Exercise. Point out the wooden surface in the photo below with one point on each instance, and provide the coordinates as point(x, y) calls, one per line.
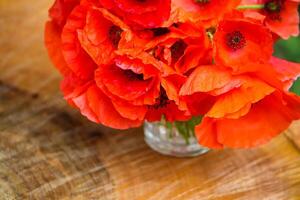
point(48, 151)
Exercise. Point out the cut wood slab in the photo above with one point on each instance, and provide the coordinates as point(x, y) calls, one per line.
point(49, 151)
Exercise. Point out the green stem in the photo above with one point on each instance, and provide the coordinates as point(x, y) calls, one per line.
point(251, 7)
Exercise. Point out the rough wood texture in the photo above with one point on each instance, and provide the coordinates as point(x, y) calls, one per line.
point(48, 151)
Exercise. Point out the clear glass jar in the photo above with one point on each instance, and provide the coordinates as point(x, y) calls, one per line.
point(169, 141)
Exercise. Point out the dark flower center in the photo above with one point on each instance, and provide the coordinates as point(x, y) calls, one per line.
point(162, 101)
point(160, 31)
point(114, 34)
point(273, 6)
point(202, 1)
point(212, 30)
point(178, 49)
point(133, 76)
point(273, 9)
point(235, 40)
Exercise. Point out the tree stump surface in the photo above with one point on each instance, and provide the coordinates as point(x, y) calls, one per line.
point(49, 151)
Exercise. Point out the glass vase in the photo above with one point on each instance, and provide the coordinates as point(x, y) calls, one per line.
point(167, 139)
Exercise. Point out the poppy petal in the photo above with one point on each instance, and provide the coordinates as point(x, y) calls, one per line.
point(129, 111)
point(209, 10)
point(205, 79)
point(256, 128)
point(105, 111)
point(172, 85)
point(250, 92)
point(287, 71)
point(123, 83)
point(74, 55)
point(53, 45)
point(206, 134)
point(61, 9)
point(82, 104)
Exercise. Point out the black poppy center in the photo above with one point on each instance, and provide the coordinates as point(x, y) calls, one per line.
point(162, 101)
point(160, 31)
point(133, 76)
point(235, 40)
point(114, 34)
point(178, 49)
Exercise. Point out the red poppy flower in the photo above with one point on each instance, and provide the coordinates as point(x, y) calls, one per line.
point(182, 46)
point(121, 95)
point(281, 16)
point(238, 101)
point(101, 35)
point(146, 13)
point(207, 11)
point(130, 80)
point(239, 43)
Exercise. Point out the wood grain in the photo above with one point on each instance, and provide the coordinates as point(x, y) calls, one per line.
point(48, 151)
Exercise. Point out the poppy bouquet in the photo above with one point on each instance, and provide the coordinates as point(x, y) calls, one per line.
point(127, 61)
